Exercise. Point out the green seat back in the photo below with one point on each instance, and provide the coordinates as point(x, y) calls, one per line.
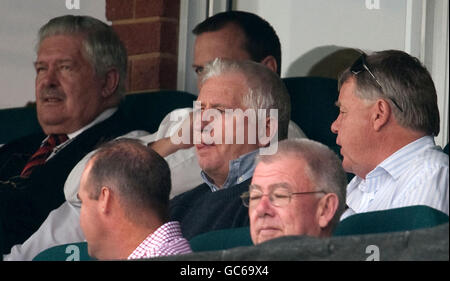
point(221, 239)
point(147, 110)
point(17, 122)
point(65, 252)
point(392, 220)
point(313, 107)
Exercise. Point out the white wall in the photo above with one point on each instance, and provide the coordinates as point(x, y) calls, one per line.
point(20, 21)
point(191, 13)
point(310, 30)
point(435, 55)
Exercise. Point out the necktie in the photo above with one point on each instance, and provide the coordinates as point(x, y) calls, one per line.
point(40, 156)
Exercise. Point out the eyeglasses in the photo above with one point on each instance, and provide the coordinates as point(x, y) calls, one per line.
point(278, 197)
point(360, 65)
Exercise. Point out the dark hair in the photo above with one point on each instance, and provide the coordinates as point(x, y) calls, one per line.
point(137, 173)
point(404, 79)
point(261, 38)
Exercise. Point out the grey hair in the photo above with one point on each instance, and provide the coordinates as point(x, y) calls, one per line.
point(265, 88)
point(323, 168)
point(101, 45)
point(404, 79)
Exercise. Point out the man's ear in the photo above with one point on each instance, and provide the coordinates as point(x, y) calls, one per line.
point(271, 63)
point(326, 209)
point(380, 114)
point(270, 131)
point(111, 82)
point(105, 200)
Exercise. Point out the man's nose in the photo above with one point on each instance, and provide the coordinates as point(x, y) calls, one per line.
point(334, 126)
point(264, 207)
point(211, 117)
point(50, 78)
point(204, 121)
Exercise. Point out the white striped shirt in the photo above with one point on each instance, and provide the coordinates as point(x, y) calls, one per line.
point(416, 174)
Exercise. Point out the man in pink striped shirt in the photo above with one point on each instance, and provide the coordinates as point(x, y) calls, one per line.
point(124, 192)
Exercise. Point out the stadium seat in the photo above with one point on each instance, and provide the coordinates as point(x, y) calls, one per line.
point(65, 252)
point(313, 107)
point(221, 239)
point(18, 122)
point(144, 110)
point(147, 110)
point(392, 220)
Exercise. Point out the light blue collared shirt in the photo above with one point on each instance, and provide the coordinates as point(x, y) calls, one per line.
point(240, 170)
point(416, 174)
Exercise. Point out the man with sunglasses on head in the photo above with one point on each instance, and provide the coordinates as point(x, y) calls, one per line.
point(300, 190)
point(388, 118)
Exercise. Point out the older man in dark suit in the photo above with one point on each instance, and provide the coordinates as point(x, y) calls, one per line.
point(80, 80)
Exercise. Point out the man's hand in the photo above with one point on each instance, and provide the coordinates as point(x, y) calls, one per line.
point(167, 146)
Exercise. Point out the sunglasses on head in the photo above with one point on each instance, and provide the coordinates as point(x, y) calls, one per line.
point(360, 65)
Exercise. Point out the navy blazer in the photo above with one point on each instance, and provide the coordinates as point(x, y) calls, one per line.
point(26, 203)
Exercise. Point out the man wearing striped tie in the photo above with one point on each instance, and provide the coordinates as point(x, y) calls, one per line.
point(80, 80)
point(388, 118)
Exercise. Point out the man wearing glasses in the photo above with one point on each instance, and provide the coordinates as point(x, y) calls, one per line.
point(300, 190)
point(388, 118)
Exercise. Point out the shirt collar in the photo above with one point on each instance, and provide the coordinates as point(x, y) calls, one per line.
point(103, 116)
point(240, 170)
point(395, 164)
point(154, 241)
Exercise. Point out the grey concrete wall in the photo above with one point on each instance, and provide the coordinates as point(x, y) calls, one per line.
point(420, 245)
